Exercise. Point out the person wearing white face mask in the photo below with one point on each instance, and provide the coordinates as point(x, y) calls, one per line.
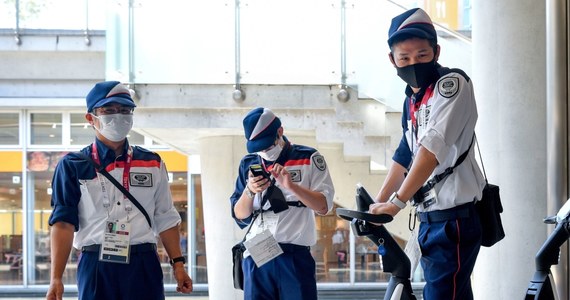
point(299, 181)
point(138, 207)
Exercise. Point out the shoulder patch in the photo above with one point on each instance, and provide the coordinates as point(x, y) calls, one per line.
point(320, 163)
point(448, 87)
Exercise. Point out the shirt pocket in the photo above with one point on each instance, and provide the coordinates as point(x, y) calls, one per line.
point(91, 202)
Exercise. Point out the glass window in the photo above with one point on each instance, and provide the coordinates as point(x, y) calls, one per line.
point(200, 268)
point(7, 14)
point(41, 166)
point(81, 131)
point(61, 14)
point(331, 252)
point(46, 129)
point(11, 229)
point(9, 129)
point(179, 190)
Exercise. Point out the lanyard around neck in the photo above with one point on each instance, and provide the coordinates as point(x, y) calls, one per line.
point(126, 172)
point(415, 106)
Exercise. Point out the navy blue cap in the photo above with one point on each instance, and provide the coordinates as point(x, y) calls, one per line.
point(412, 23)
point(108, 92)
point(260, 126)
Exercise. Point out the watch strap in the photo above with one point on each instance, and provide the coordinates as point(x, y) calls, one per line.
point(394, 200)
point(178, 259)
point(249, 193)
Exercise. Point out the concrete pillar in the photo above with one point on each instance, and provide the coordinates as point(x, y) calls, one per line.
point(509, 75)
point(219, 159)
point(557, 123)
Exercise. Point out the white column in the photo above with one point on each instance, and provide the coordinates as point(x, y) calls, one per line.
point(219, 159)
point(509, 75)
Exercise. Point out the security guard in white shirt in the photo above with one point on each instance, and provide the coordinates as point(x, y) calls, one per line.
point(116, 236)
point(283, 205)
point(438, 122)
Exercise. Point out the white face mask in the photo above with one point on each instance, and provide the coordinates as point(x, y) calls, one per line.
point(271, 154)
point(114, 127)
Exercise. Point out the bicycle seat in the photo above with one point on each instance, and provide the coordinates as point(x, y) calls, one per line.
point(349, 215)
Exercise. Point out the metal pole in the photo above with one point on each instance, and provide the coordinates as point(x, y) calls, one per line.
point(131, 33)
point(557, 123)
point(237, 45)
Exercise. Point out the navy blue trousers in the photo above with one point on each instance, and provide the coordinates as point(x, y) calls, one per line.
point(449, 251)
point(290, 276)
point(141, 279)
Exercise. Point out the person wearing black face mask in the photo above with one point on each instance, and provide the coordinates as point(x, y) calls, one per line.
point(438, 122)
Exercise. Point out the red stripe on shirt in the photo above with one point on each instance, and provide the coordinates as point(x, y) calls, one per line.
point(297, 162)
point(134, 163)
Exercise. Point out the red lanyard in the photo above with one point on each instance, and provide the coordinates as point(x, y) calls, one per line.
point(414, 107)
point(126, 169)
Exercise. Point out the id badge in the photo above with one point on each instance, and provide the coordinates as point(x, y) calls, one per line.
point(263, 248)
point(413, 251)
point(116, 243)
point(430, 198)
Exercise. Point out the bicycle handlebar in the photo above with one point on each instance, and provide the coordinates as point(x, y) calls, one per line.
point(349, 215)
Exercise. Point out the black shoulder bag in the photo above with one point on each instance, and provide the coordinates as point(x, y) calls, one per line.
point(104, 172)
point(237, 258)
point(489, 208)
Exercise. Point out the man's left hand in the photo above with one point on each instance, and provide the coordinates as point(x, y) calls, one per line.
point(182, 279)
point(383, 208)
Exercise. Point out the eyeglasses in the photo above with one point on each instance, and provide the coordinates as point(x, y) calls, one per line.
point(111, 110)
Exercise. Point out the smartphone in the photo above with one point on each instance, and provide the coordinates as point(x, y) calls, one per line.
point(257, 170)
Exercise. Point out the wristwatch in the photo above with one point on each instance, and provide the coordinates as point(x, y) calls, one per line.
point(394, 200)
point(249, 193)
point(178, 259)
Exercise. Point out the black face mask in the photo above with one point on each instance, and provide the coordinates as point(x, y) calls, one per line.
point(418, 75)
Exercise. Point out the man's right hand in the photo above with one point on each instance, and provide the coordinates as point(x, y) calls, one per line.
point(55, 291)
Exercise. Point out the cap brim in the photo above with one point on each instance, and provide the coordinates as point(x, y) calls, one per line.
point(260, 143)
point(410, 32)
point(118, 100)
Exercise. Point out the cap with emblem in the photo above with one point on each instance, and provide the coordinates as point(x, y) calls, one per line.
point(260, 126)
point(412, 23)
point(108, 92)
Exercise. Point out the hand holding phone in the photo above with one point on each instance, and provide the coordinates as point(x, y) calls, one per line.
point(257, 170)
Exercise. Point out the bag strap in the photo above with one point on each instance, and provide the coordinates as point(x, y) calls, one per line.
point(439, 177)
point(481, 159)
point(250, 225)
point(121, 188)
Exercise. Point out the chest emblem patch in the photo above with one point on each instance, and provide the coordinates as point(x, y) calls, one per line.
point(448, 87)
point(320, 163)
point(295, 175)
point(141, 179)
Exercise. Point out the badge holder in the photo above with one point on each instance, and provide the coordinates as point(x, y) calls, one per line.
point(116, 243)
point(263, 248)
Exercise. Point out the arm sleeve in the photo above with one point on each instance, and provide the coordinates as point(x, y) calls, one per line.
point(241, 181)
point(66, 194)
point(165, 214)
point(403, 154)
point(321, 179)
point(450, 117)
